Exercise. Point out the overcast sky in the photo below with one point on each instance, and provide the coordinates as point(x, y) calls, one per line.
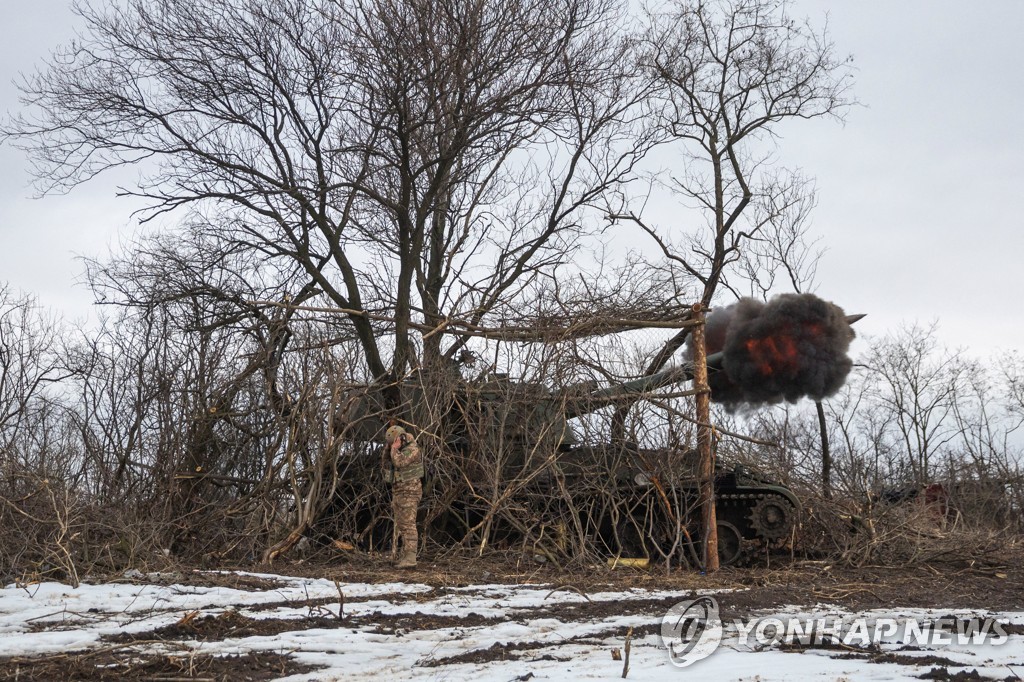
point(918, 193)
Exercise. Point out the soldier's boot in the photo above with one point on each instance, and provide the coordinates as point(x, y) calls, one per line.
point(407, 559)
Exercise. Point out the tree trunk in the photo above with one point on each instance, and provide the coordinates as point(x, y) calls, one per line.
point(826, 454)
point(704, 450)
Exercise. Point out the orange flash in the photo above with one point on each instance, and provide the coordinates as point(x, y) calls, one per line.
point(774, 354)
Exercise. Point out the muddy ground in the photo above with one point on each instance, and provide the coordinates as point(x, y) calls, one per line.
point(993, 583)
point(996, 585)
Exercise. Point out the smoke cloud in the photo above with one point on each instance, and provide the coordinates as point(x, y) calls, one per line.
point(792, 347)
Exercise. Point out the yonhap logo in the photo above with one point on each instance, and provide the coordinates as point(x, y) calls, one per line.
point(691, 630)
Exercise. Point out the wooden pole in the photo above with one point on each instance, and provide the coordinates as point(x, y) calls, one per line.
point(705, 453)
point(826, 454)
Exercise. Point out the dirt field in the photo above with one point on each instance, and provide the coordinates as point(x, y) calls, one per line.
point(244, 626)
point(992, 584)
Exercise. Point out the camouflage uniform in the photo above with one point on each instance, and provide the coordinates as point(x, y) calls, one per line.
point(406, 490)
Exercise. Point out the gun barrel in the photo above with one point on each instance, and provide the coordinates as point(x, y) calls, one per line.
point(638, 387)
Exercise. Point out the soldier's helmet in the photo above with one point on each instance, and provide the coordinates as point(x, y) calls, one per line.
point(392, 433)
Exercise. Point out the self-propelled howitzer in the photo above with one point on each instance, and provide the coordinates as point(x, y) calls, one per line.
point(501, 432)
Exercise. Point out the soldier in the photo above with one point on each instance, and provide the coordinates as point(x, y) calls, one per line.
point(406, 490)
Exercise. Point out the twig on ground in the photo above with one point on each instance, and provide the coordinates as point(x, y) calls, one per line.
point(569, 587)
point(625, 663)
point(341, 600)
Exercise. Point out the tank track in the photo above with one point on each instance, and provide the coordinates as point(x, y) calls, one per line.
point(738, 509)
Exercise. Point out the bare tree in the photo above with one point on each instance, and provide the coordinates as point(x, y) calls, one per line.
point(730, 73)
point(918, 383)
point(30, 362)
point(411, 160)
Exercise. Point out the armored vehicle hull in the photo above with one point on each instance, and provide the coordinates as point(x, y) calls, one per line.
point(660, 487)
